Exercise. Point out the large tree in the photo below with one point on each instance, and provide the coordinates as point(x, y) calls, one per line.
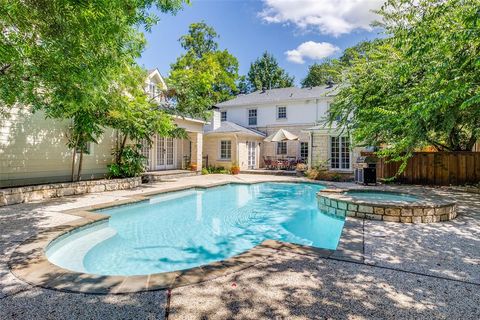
point(421, 84)
point(265, 73)
point(204, 75)
point(68, 58)
point(321, 73)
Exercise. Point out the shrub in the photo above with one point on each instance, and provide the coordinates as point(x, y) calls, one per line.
point(131, 163)
point(213, 169)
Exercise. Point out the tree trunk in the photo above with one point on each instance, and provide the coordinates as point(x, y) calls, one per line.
point(120, 152)
point(73, 164)
point(80, 163)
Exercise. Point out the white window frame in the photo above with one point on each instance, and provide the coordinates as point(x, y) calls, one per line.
point(278, 113)
point(341, 153)
point(220, 150)
point(249, 117)
point(300, 153)
point(278, 148)
point(88, 151)
point(222, 113)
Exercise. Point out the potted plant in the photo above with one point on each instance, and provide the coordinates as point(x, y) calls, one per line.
point(193, 167)
point(301, 168)
point(235, 169)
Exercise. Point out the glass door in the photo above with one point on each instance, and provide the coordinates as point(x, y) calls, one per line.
point(252, 154)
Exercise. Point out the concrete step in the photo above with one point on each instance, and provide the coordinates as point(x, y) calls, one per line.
point(150, 177)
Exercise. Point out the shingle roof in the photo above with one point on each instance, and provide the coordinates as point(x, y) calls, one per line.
point(280, 95)
point(230, 127)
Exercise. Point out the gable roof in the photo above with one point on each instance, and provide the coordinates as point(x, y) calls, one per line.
point(280, 95)
point(231, 127)
point(154, 73)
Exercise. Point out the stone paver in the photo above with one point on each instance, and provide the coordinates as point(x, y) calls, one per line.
point(381, 270)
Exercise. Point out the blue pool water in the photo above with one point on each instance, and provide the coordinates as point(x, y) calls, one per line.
point(190, 228)
point(379, 196)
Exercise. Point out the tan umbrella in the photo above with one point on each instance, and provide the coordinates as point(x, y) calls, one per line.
point(281, 135)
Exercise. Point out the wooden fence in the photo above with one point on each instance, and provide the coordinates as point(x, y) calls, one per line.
point(435, 168)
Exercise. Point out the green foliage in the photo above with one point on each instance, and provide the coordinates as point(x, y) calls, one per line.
point(213, 169)
point(204, 75)
point(131, 163)
point(200, 39)
point(266, 73)
point(420, 85)
point(320, 74)
point(76, 60)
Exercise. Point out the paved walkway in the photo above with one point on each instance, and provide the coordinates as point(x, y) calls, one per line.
point(380, 270)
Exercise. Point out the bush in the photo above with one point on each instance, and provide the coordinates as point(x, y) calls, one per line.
point(213, 169)
point(131, 163)
point(322, 172)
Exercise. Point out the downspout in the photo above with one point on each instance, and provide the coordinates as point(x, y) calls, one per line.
point(316, 111)
point(310, 149)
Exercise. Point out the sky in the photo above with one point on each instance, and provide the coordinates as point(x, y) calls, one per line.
point(297, 32)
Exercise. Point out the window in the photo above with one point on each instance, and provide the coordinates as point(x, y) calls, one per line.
point(252, 117)
point(223, 116)
point(87, 150)
point(304, 150)
point(225, 150)
point(281, 112)
point(152, 89)
point(282, 147)
point(340, 153)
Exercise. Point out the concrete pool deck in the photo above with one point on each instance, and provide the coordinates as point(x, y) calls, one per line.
point(380, 270)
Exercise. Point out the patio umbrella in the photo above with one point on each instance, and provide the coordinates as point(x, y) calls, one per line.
point(281, 135)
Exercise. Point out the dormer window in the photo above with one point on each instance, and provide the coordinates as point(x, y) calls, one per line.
point(152, 89)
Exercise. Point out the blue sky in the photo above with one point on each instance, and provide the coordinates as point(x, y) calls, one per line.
point(298, 33)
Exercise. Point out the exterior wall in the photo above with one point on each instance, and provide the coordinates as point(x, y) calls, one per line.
point(33, 150)
point(293, 147)
point(239, 150)
point(298, 113)
point(320, 151)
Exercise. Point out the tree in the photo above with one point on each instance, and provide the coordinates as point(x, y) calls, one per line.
point(66, 58)
point(321, 73)
point(200, 39)
point(420, 85)
point(204, 75)
point(265, 73)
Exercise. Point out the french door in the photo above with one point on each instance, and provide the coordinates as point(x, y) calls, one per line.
point(252, 154)
point(165, 155)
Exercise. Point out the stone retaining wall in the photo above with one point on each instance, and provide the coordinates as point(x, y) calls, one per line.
point(47, 191)
point(338, 204)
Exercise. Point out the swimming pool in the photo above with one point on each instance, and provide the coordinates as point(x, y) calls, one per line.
point(190, 228)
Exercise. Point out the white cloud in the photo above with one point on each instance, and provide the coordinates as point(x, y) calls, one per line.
point(330, 17)
point(311, 50)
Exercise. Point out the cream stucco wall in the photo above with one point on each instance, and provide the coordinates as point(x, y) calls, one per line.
point(33, 150)
point(211, 148)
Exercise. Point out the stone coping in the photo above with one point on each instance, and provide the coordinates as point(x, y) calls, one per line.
point(428, 208)
point(15, 195)
point(30, 263)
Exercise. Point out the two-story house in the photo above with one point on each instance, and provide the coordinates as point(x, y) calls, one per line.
point(239, 126)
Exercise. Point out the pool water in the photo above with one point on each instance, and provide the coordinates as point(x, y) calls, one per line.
point(379, 196)
point(190, 228)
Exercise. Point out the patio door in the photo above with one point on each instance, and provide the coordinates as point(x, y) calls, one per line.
point(165, 153)
point(252, 154)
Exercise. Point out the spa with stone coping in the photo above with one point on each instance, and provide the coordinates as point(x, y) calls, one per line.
point(410, 208)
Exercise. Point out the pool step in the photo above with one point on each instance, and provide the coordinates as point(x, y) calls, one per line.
point(168, 175)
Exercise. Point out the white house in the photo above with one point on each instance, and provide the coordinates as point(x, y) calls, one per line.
point(297, 110)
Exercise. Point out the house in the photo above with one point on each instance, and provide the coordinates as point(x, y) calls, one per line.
point(238, 126)
point(33, 148)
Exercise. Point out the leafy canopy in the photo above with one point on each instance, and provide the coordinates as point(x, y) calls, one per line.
point(204, 75)
point(321, 73)
point(420, 85)
point(265, 73)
